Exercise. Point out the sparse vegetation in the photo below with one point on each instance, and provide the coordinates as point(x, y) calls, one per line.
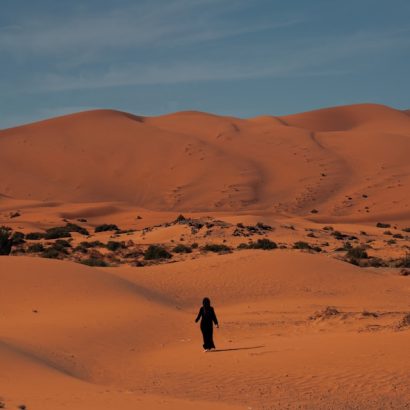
point(50, 253)
point(17, 238)
point(215, 247)
point(114, 245)
point(264, 243)
point(106, 227)
point(35, 248)
point(93, 261)
point(358, 252)
point(5, 240)
point(156, 252)
point(35, 236)
point(302, 245)
point(382, 225)
point(181, 248)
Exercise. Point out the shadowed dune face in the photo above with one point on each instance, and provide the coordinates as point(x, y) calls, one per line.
point(192, 161)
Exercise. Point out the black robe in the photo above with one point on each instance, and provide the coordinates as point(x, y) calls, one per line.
point(208, 318)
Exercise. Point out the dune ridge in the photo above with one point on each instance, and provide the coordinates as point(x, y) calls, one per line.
point(193, 161)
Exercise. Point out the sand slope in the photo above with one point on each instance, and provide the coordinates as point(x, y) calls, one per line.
point(192, 161)
point(73, 335)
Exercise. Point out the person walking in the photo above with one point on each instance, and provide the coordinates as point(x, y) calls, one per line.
point(208, 318)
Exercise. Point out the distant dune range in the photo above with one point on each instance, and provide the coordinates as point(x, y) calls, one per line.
point(192, 161)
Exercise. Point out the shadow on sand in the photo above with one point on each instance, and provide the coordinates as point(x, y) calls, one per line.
point(235, 348)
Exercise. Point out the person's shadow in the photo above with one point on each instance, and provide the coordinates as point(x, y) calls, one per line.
point(236, 348)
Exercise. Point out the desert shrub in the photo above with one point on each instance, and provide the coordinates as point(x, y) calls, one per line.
point(62, 243)
point(35, 236)
point(106, 227)
point(338, 235)
point(406, 229)
point(92, 244)
point(17, 238)
point(156, 252)
point(398, 236)
point(387, 233)
point(114, 245)
point(263, 244)
point(358, 252)
point(243, 245)
point(5, 240)
point(328, 228)
point(301, 245)
point(391, 242)
point(263, 226)
point(50, 253)
point(404, 262)
point(94, 262)
point(216, 247)
point(35, 248)
point(181, 248)
point(194, 245)
point(376, 263)
point(382, 225)
point(77, 228)
point(57, 232)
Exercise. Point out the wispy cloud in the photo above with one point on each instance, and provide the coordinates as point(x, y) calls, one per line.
point(307, 58)
point(150, 24)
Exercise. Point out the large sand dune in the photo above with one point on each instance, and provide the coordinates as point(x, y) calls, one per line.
point(299, 329)
point(192, 161)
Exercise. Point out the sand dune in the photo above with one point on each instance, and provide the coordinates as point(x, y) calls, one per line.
point(192, 161)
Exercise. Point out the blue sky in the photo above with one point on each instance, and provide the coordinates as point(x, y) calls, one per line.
point(234, 57)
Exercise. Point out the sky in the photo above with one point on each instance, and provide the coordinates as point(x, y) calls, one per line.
point(233, 57)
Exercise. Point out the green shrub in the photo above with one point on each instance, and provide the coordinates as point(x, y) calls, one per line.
point(156, 252)
point(92, 244)
point(181, 248)
point(264, 243)
point(358, 252)
point(301, 245)
point(5, 240)
point(382, 225)
point(57, 232)
point(194, 245)
point(263, 226)
point(114, 245)
point(18, 238)
point(404, 262)
point(94, 262)
point(50, 253)
point(106, 227)
point(35, 248)
point(35, 236)
point(215, 247)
